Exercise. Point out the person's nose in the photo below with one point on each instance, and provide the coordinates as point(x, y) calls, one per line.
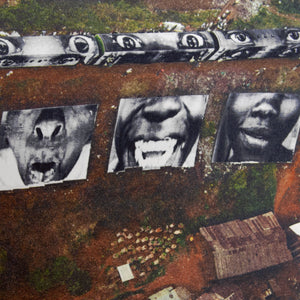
point(50, 125)
point(160, 109)
point(265, 109)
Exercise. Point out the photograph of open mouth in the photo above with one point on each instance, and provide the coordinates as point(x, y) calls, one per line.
point(157, 132)
point(45, 145)
point(258, 127)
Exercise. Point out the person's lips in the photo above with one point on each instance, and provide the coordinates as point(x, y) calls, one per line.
point(39, 171)
point(155, 153)
point(258, 137)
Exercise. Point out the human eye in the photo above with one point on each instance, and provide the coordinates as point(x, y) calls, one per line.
point(128, 42)
point(79, 44)
point(6, 47)
point(293, 36)
point(240, 37)
point(192, 41)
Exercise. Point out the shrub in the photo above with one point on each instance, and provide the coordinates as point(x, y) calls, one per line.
point(41, 280)
point(208, 129)
point(79, 282)
point(61, 271)
point(32, 15)
point(92, 16)
point(265, 19)
point(157, 272)
point(250, 191)
point(287, 6)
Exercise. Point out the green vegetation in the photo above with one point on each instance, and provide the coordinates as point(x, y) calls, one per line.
point(287, 6)
point(248, 192)
point(94, 16)
point(81, 239)
point(127, 294)
point(208, 129)
point(181, 241)
point(61, 271)
point(90, 16)
point(159, 271)
point(265, 19)
point(192, 225)
point(33, 15)
point(123, 16)
point(79, 282)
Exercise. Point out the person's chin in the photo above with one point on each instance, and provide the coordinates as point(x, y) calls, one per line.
point(154, 154)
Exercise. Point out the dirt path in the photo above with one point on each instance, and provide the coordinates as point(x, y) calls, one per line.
point(287, 200)
point(180, 5)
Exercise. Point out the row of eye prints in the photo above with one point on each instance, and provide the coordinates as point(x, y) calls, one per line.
point(148, 47)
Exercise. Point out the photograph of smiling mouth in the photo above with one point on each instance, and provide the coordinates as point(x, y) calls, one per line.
point(153, 154)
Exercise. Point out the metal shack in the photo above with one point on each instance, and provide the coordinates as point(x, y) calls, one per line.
point(243, 246)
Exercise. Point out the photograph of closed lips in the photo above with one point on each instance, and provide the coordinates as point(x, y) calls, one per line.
point(258, 127)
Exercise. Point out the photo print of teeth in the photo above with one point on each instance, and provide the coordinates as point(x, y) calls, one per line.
point(156, 132)
point(45, 145)
point(258, 128)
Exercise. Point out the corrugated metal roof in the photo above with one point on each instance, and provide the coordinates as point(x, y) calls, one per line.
point(244, 246)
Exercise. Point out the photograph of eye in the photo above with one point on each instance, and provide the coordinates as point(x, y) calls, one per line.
point(6, 47)
point(128, 42)
point(192, 41)
point(240, 37)
point(293, 36)
point(79, 44)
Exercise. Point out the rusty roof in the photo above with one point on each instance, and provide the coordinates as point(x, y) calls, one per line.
point(241, 247)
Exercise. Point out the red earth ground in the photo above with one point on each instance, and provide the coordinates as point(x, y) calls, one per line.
point(287, 200)
point(37, 226)
point(42, 223)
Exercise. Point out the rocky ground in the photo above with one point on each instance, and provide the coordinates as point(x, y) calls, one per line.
point(239, 9)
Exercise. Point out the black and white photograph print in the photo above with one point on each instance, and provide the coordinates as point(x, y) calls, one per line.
point(152, 47)
point(258, 127)
point(42, 51)
point(45, 145)
point(157, 132)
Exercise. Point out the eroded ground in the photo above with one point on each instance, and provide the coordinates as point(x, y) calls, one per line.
point(80, 220)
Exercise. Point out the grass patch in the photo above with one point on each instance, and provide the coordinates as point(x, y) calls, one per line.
point(265, 19)
point(92, 16)
point(61, 271)
point(128, 294)
point(159, 271)
point(248, 192)
point(208, 129)
point(81, 239)
point(287, 6)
